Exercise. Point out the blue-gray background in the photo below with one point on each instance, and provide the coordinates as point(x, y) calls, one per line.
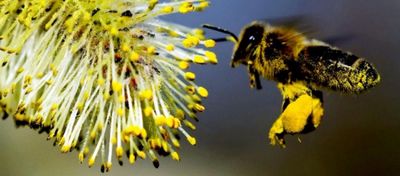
point(359, 134)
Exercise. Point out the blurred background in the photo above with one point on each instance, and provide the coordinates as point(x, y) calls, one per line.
point(359, 135)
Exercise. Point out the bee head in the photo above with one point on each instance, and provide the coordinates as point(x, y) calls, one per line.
point(250, 37)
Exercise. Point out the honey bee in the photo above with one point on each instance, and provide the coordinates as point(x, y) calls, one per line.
point(302, 67)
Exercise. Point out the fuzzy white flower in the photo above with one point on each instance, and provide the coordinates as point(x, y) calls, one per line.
point(102, 76)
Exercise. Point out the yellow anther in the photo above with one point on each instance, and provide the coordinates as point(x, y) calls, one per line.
point(119, 152)
point(186, 7)
point(65, 148)
point(204, 4)
point(198, 32)
point(108, 165)
point(86, 95)
point(143, 133)
point(80, 106)
point(148, 111)
point(132, 158)
point(81, 156)
point(180, 114)
point(170, 47)
point(121, 98)
point(20, 70)
point(151, 50)
point(120, 112)
point(167, 9)
point(212, 57)
point(169, 121)
point(54, 106)
point(39, 75)
point(19, 117)
point(199, 59)
point(114, 140)
point(91, 161)
point(190, 41)
point(176, 143)
point(199, 107)
point(134, 56)
point(173, 33)
point(190, 89)
point(146, 94)
point(100, 126)
point(141, 154)
point(189, 124)
point(209, 43)
point(86, 17)
point(191, 140)
point(125, 47)
point(152, 4)
point(93, 134)
point(183, 65)
point(106, 95)
point(116, 86)
point(100, 81)
point(203, 92)
point(160, 120)
point(175, 156)
point(190, 76)
point(177, 123)
point(114, 31)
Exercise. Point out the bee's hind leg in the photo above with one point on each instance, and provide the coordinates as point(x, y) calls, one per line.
point(301, 113)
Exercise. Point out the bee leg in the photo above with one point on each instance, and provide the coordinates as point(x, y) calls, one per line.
point(285, 103)
point(254, 78)
point(301, 115)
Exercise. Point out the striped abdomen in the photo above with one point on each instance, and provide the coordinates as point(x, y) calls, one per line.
point(327, 67)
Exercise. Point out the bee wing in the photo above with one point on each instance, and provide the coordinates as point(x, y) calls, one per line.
point(308, 26)
point(301, 23)
point(338, 39)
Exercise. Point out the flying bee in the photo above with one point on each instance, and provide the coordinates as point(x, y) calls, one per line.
point(302, 67)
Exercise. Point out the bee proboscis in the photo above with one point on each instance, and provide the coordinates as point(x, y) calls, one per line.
point(302, 67)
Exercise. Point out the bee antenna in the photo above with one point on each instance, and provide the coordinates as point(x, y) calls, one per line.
point(225, 31)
